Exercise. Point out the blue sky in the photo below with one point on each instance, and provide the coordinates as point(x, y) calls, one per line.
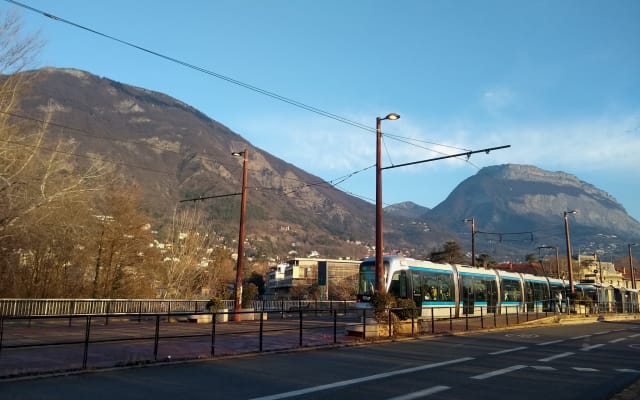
point(559, 81)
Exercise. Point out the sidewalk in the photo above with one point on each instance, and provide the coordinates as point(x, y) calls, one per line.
point(29, 350)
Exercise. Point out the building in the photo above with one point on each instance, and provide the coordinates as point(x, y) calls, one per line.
point(298, 274)
point(592, 269)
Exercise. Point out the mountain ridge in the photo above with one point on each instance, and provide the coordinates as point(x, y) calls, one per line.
point(175, 152)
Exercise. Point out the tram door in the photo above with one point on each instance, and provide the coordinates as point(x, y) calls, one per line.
point(492, 296)
point(468, 297)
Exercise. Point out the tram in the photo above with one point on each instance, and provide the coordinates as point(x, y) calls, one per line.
point(452, 290)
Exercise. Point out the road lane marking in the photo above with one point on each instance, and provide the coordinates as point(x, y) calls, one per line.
point(499, 372)
point(561, 355)
point(595, 346)
point(580, 337)
point(617, 340)
point(551, 342)
point(602, 333)
point(635, 335)
point(633, 371)
point(585, 369)
point(543, 368)
point(495, 353)
point(354, 381)
point(421, 393)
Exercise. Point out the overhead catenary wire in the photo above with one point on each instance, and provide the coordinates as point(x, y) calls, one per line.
point(228, 79)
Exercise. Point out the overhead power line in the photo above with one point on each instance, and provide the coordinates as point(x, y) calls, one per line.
point(253, 88)
point(231, 80)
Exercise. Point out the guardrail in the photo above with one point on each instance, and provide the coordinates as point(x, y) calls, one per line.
point(56, 307)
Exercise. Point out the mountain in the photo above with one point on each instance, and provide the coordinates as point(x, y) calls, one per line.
point(174, 152)
point(406, 209)
point(523, 206)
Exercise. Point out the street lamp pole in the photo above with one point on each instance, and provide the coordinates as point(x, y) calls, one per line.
point(379, 237)
point(566, 232)
point(237, 303)
point(473, 239)
point(633, 277)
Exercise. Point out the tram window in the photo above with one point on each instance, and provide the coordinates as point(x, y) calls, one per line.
point(510, 290)
point(477, 287)
point(432, 286)
point(398, 285)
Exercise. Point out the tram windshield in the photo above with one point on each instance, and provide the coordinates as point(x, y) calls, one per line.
point(367, 278)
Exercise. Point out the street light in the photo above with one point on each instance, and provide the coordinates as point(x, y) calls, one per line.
point(557, 258)
point(633, 277)
point(237, 303)
point(473, 239)
point(379, 239)
point(566, 232)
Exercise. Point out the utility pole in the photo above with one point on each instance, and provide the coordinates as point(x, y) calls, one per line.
point(379, 229)
point(473, 239)
point(237, 304)
point(566, 233)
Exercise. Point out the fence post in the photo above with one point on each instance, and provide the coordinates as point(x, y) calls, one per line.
point(87, 333)
point(1, 331)
point(335, 326)
point(506, 314)
point(495, 321)
point(450, 319)
point(156, 338)
point(282, 309)
point(389, 320)
point(481, 319)
point(261, 326)
point(412, 323)
point(300, 341)
point(466, 321)
point(213, 333)
point(433, 323)
point(364, 323)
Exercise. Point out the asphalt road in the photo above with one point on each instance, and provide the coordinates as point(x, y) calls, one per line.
point(586, 361)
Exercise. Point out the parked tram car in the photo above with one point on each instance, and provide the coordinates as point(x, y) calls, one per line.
point(596, 297)
point(451, 290)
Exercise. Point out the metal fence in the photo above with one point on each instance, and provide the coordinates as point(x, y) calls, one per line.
point(66, 307)
point(34, 344)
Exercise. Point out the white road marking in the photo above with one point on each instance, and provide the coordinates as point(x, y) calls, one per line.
point(561, 355)
point(595, 346)
point(580, 337)
point(602, 333)
point(633, 371)
point(499, 372)
point(421, 393)
point(354, 381)
point(551, 342)
point(495, 353)
point(543, 368)
point(585, 369)
point(635, 335)
point(617, 340)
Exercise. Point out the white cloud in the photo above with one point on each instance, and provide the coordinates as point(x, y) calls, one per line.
point(497, 99)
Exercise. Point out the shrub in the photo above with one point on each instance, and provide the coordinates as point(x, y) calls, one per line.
point(406, 309)
point(381, 303)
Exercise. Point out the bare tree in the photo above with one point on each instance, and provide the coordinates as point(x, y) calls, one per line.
point(193, 264)
point(45, 195)
point(121, 248)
